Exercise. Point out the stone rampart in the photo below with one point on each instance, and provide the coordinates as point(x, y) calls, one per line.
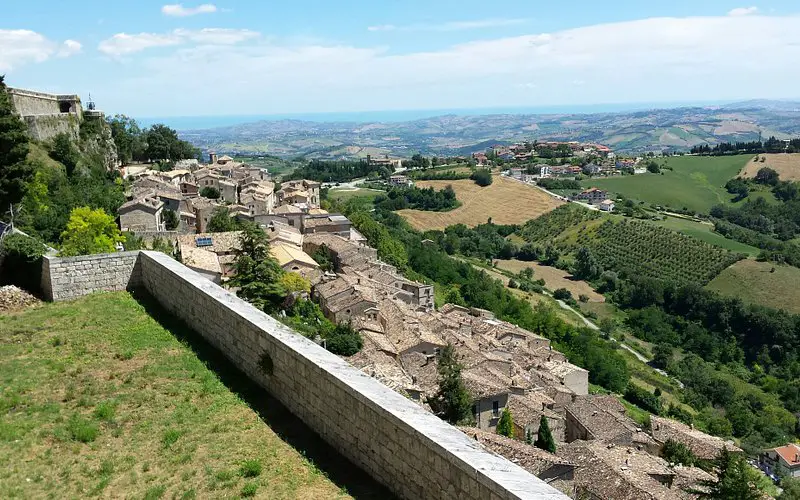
point(395, 440)
point(47, 115)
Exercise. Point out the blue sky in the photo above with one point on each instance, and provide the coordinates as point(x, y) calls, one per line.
point(150, 58)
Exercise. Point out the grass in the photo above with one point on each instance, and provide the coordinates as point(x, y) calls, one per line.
point(77, 419)
point(695, 182)
point(505, 201)
point(344, 195)
point(755, 283)
point(554, 278)
point(705, 232)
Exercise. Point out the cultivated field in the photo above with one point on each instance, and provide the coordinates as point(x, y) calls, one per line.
point(787, 165)
point(98, 399)
point(347, 194)
point(695, 182)
point(754, 283)
point(506, 201)
point(553, 277)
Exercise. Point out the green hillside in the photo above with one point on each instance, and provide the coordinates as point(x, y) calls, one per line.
point(688, 182)
point(761, 283)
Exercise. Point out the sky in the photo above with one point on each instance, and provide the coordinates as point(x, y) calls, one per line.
point(258, 57)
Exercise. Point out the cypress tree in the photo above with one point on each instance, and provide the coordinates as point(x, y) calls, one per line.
point(505, 427)
point(452, 401)
point(545, 439)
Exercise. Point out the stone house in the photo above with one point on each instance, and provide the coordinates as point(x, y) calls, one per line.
point(326, 223)
point(294, 215)
point(299, 191)
point(592, 196)
point(142, 214)
point(293, 259)
point(211, 254)
point(603, 418)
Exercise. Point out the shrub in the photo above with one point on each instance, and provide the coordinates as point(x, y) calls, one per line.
point(21, 258)
point(562, 294)
point(170, 437)
point(583, 298)
point(677, 453)
point(249, 490)
point(544, 438)
point(105, 411)
point(344, 341)
point(250, 468)
point(81, 429)
point(505, 427)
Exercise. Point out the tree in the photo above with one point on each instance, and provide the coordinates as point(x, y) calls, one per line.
point(171, 220)
point(653, 167)
point(163, 145)
point(551, 255)
point(766, 175)
point(736, 479)
point(586, 265)
point(89, 232)
point(544, 439)
point(791, 489)
point(293, 282)
point(662, 355)
point(210, 192)
point(562, 294)
point(65, 152)
point(258, 274)
point(344, 341)
point(15, 171)
point(453, 296)
point(482, 177)
point(221, 221)
point(451, 402)
point(505, 427)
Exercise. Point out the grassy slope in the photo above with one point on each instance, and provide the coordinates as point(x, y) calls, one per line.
point(696, 182)
point(166, 425)
point(346, 194)
point(753, 282)
point(705, 232)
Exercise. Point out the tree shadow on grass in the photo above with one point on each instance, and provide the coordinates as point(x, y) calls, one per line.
point(289, 428)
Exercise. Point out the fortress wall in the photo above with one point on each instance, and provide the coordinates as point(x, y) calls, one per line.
point(396, 441)
point(72, 277)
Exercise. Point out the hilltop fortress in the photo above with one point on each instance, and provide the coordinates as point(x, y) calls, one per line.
point(48, 115)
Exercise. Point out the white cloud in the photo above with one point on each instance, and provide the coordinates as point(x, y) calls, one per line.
point(178, 10)
point(743, 11)
point(69, 48)
point(450, 26)
point(18, 47)
point(123, 44)
point(648, 60)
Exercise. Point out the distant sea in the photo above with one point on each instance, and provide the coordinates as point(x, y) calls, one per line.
point(204, 122)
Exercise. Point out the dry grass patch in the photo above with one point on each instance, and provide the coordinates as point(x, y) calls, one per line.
point(97, 398)
point(506, 201)
point(554, 278)
point(756, 283)
point(786, 164)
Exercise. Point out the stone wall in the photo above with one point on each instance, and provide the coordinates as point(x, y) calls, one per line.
point(45, 127)
point(395, 440)
point(43, 115)
point(71, 277)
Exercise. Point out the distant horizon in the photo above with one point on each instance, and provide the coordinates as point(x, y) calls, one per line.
point(204, 122)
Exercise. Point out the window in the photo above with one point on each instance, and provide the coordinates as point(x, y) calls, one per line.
point(64, 106)
point(495, 408)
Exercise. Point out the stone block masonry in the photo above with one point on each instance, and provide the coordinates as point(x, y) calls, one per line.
point(68, 278)
point(396, 441)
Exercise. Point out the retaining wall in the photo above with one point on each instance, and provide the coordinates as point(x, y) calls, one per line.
point(71, 277)
point(396, 441)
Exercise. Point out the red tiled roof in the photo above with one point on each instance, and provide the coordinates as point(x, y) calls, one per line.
point(789, 454)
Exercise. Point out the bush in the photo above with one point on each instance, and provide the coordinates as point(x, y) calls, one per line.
point(249, 490)
point(344, 341)
point(21, 261)
point(562, 294)
point(482, 177)
point(250, 468)
point(81, 429)
point(677, 453)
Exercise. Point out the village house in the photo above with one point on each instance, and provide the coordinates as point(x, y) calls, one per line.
point(210, 254)
point(141, 214)
point(203, 209)
point(399, 180)
point(299, 191)
point(593, 196)
point(607, 206)
point(783, 461)
point(603, 418)
point(294, 260)
point(326, 223)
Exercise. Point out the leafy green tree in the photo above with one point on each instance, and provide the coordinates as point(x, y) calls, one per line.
point(766, 175)
point(562, 294)
point(171, 220)
point(662, 355)
point(736, 479)
point(15, 171)
point(544, 439)
point(129, 139)
point(222, 222)
point(791, 489)
point(505, 427)
point(482, 177)
point(258, 274)
point(551, 255)
point(163, 144)
point(344, 341)
point(210, 192)
point(453, 296)
point(586, 265)
point(89, 232)
point(677, 453)
point(451, 402)
point(293, 282)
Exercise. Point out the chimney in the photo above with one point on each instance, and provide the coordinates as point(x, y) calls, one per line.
point(212, 157)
